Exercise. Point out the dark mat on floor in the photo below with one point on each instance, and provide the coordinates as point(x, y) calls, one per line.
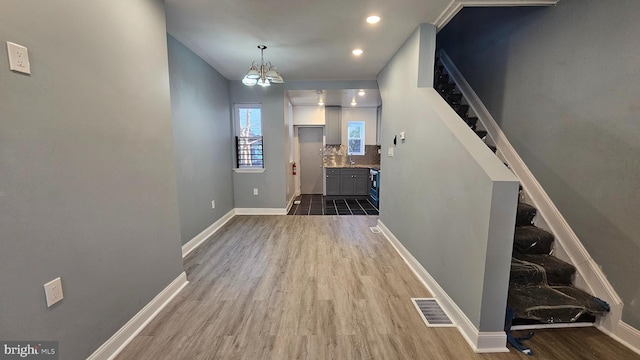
point(315, 204)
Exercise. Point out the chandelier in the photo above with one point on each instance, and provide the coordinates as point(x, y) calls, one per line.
point(262, 74)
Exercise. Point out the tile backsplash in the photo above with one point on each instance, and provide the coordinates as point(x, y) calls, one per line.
point(337, 155)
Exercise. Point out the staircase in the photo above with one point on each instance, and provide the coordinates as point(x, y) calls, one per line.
point(541, 287)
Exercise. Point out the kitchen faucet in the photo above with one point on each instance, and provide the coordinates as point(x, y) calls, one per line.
point(351, 161)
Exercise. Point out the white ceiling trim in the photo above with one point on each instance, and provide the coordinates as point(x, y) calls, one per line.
point(456, 5)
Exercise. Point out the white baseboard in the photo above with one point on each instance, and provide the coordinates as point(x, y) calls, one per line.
point(480, 342)
point(290, 204)
point(206, 233)
point(624, 334)
point(260, 211)
point(112, 347)
point(552, 326)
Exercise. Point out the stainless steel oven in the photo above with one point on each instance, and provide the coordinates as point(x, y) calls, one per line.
point(374, 187)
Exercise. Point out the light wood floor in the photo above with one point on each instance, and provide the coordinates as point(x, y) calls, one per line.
point(316, 287)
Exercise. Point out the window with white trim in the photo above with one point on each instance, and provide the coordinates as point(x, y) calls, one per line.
point(249, 142)
point(355, 138)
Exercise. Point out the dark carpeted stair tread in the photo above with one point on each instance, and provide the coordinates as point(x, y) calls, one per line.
point(481, 133)
point(454, 98)
point(461, 109)
point(594, 305)
point(525, 214)
point(493, 148)
point(523, 274)
point(441, 87)
point(442, 78)
point(556, 304)
point(532, 240)
point(471, 121)
point(536, 269)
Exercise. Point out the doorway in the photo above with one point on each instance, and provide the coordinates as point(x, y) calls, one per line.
point(311, 159)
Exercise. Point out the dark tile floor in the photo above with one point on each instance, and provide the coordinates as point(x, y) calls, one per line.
point(316, 204)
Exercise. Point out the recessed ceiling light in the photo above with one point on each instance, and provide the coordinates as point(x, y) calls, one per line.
point(357, 52)
point(353, 102)
point(361, 92)
point(320, 102)
point(373, 19)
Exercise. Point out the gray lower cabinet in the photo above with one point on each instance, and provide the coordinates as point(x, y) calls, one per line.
point(361, 183)
point(333, 181)
point(349, 182)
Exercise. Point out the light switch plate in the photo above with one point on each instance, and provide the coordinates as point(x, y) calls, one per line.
point(390, 152)
point(18, 58)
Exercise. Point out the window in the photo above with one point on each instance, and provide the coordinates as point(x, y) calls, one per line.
point(249, 144)
point(355, 140)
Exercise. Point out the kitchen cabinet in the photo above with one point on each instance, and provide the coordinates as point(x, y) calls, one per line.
point(333, 181)
point(333, 124)
point(347, 181)
point(361, 183)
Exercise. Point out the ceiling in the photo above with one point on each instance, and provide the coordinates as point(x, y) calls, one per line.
point(306, 40)
point(309, 40)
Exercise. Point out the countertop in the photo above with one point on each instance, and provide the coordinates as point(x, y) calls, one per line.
point(356, 166)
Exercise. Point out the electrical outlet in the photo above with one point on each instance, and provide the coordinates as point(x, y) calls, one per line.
point(213, 204)
point(18, 58)
point(255, 191)
point(53, 291)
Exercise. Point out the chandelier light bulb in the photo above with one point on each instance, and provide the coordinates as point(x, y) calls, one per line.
point(261, 73)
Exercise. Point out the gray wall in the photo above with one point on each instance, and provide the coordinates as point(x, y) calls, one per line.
point(272, 182)
point(563, 83)
point(444, 195)
point(87, 176)
point(202, 139)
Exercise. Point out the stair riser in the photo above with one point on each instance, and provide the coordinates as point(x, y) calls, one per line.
point(525, 215)
point(521, 276)
point(531, 240)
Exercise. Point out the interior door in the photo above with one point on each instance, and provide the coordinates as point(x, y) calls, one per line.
point(310, 160)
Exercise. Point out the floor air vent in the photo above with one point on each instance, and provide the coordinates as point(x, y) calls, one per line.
point(432, 313)
point(375, 229)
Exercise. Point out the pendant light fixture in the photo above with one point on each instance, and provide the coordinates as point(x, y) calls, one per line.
point(263, 74)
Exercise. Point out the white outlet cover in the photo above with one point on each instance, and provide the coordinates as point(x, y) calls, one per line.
point(53, 291)
point(255, 191)
point(18, 58)
point(213, 204)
